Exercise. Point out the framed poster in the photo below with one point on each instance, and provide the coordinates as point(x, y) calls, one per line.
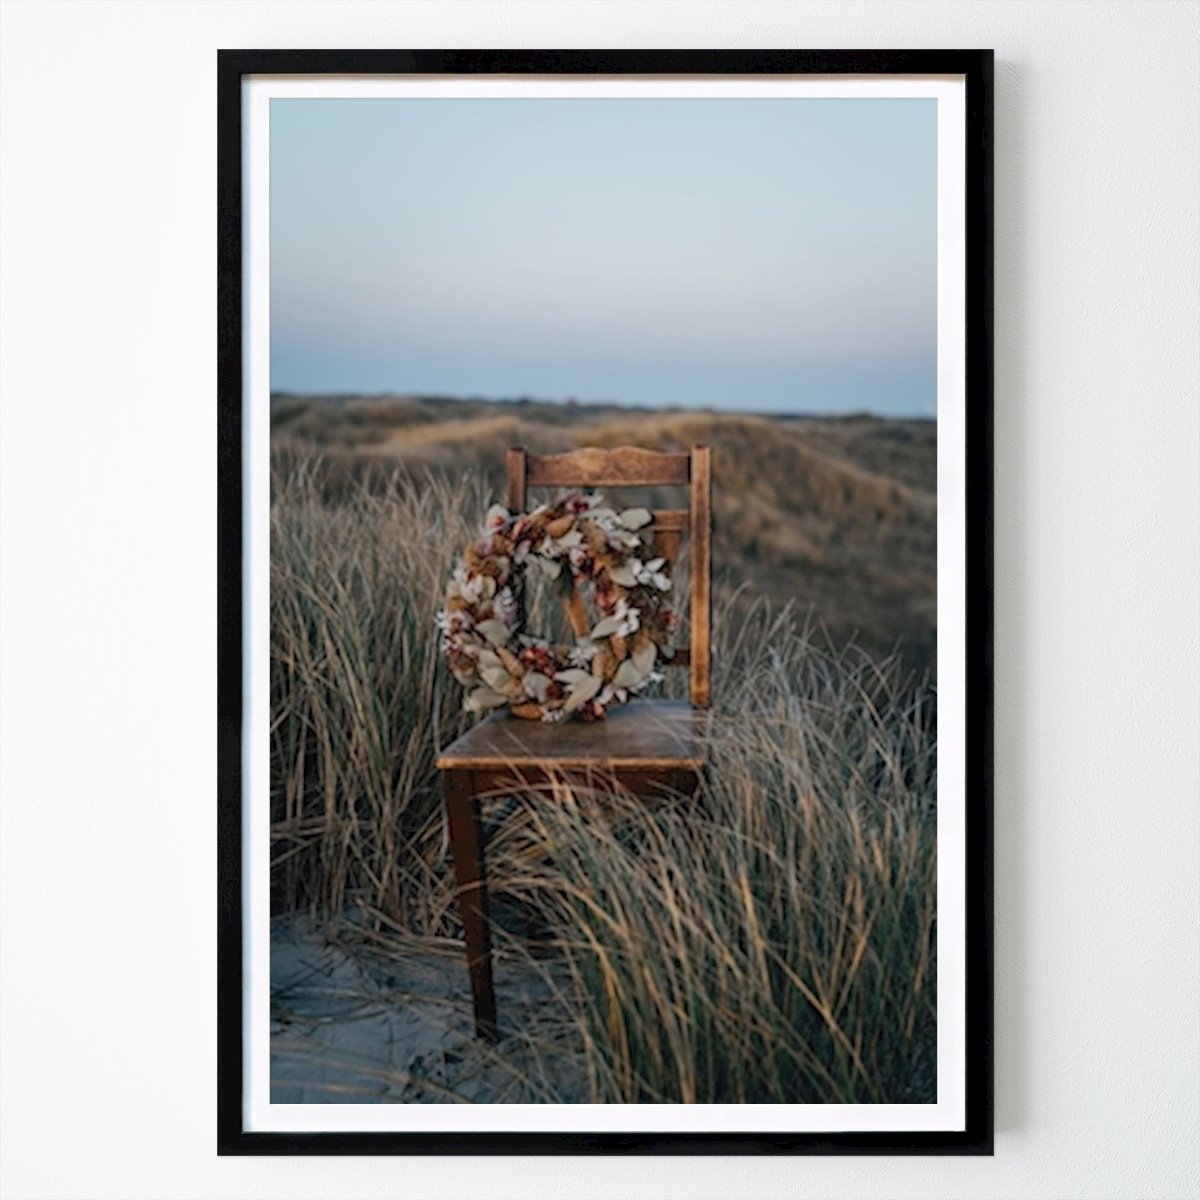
point(699, 344)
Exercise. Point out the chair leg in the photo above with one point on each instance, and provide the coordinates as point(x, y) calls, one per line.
point(467, 849)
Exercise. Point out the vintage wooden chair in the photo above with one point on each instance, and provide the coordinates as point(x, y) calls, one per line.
point(646, 745)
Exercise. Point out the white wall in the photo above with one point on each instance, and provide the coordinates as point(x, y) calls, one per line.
point(109, 594)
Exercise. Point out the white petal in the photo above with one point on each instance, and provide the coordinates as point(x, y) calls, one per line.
point(628, 675)
point(536, 685)
point(495, 631)
point(607, 627)
point(497, 678)
point(582, 692)
point(643, 657)
point(482, 699)
point(574, 676)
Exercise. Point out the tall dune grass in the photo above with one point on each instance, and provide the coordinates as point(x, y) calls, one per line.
point(769, 940)
point(356, 706)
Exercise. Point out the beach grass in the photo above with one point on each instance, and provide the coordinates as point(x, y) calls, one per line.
point(769, 940)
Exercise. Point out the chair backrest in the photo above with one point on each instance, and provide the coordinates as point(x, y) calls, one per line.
point(628, 466)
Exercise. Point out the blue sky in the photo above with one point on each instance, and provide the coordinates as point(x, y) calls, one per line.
point(771, 255)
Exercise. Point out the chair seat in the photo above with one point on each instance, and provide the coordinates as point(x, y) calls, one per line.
point(645, 735)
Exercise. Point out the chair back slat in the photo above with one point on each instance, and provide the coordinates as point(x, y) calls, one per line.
point(630, 466)
point(666, 541)
point(668, 526)
point(701, 606)
point(671, 519)
point(592, 466)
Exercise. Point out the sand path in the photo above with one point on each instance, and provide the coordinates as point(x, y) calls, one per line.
point(354, 1026)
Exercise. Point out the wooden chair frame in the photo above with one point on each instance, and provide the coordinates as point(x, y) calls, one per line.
point(645, 746)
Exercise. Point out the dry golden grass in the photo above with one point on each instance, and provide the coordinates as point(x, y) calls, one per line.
point(770, 940)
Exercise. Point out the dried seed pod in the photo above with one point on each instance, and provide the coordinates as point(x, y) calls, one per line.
point(511, 663)
point(560, 526)
point(595, 539)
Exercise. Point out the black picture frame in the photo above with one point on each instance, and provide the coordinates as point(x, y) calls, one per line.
point(976, 67)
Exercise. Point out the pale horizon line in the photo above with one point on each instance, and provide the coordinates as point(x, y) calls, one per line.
point(592, 403)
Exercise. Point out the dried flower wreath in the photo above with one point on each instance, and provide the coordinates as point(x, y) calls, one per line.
point(572, 541)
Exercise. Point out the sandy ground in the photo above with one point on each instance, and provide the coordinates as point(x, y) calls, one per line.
point(354, 1024)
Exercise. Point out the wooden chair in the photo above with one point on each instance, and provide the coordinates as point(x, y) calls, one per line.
point(645, 746)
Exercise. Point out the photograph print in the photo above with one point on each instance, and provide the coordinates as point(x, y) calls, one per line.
point(605, 544)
